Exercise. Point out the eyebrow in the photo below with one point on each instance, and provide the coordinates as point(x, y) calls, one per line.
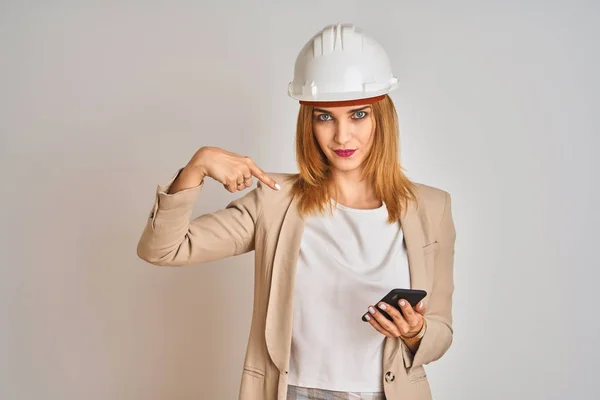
point(349, 112)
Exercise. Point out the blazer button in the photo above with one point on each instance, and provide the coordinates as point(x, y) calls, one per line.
point(389, 377)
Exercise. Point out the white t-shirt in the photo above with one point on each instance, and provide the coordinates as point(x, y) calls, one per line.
point(347, 262)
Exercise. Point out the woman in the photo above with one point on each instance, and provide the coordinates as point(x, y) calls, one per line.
point(328, 241)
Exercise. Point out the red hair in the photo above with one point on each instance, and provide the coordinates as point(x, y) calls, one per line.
point(381, 167)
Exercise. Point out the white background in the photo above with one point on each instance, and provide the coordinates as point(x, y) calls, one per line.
point(100, 101)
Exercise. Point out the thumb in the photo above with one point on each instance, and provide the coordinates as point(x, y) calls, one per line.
point(421, 308)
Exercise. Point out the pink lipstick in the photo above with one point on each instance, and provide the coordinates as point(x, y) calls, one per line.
point(344, 153)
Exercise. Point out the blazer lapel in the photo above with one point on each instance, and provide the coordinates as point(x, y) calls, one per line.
point(414, 238)
point(278, 330)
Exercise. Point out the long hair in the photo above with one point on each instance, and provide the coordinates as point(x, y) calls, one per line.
point(381, 167)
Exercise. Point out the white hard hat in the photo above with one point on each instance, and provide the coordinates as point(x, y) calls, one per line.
point(341, 63)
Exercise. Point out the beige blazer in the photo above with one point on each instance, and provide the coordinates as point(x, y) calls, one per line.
point(269, 223)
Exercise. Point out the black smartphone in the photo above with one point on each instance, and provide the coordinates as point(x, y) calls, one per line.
point(413, 296)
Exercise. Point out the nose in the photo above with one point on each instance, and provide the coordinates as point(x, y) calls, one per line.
point(343, 133)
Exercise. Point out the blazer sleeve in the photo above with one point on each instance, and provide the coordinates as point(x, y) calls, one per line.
point(170, 238)
point(438, 336)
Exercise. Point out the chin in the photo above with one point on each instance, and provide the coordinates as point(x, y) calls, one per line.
point(345, 167)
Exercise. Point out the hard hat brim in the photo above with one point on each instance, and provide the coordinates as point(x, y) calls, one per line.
point(343, 103)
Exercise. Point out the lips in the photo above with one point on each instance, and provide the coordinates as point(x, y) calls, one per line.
point(344, 153)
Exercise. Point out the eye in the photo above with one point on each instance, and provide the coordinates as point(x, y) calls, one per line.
point(360, 114)
point(324, 117)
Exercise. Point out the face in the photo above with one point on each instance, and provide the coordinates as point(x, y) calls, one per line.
point(345, 135)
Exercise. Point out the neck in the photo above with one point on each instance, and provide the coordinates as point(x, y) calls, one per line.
point(352, 191)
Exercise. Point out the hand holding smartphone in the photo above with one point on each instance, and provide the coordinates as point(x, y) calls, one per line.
point(413, 296)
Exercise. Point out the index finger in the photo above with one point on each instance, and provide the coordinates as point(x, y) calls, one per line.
point(263, 177)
